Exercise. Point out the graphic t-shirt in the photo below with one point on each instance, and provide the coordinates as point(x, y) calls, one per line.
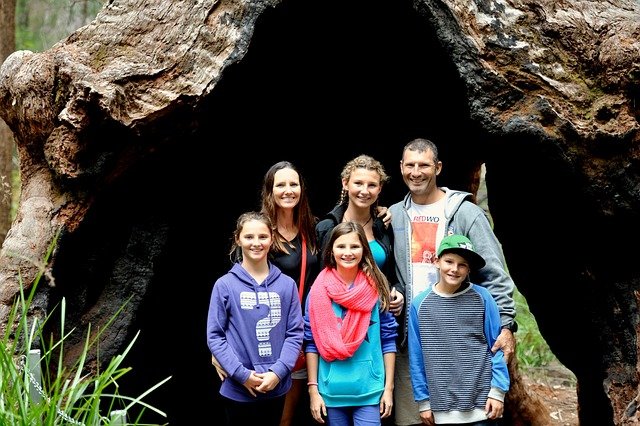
point(427, 230)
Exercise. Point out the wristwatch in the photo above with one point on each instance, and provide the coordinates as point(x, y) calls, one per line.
point(512, 327)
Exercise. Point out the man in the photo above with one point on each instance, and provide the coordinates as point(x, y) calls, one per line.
point(420, 221)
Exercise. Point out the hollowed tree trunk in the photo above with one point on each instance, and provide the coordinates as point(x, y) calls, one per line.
point(130, 129)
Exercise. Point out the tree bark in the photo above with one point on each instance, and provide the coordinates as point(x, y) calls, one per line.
point(551, 88)
point(521, 406)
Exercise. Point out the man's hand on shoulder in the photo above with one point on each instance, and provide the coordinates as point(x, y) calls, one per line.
point(385, 214)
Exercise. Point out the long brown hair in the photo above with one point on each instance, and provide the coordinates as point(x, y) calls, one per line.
point(302, 216)
point(367, 263)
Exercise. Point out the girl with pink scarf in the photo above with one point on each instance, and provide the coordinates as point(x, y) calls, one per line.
point(350, 334)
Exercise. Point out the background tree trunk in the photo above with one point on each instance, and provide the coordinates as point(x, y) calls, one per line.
point(7, 46)
point(42, 23)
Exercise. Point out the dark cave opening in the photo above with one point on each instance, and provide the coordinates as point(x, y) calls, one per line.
point(316, 88)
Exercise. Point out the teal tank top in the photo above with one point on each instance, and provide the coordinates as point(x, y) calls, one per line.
point(378, 253)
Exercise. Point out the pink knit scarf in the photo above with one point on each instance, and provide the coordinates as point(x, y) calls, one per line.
point(339, 338)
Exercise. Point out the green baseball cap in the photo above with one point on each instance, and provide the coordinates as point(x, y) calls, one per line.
point(461, 245)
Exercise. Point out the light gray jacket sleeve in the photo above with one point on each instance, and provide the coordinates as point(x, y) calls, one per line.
point(470, 220)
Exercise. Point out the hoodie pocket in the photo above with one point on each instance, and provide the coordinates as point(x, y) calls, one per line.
point(352, 378)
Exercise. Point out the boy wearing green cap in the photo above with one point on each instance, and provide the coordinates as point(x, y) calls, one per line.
point(452, 327)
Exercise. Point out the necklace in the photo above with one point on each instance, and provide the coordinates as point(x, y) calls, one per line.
point(362, 224)
point(288, 234)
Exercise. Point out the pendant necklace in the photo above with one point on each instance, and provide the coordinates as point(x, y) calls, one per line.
point(361, 224)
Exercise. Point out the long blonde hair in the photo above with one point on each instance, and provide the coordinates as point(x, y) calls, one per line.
point(367, 263)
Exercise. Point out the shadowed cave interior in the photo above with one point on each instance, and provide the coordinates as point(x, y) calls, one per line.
point(317, 87)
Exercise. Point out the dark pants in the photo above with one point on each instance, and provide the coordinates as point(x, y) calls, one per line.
point(265, 412)
point(298, 405)
point(480, 423)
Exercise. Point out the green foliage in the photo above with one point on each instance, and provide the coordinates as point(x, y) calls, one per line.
point(41, 23)
point(531, 348)
point(68, 396)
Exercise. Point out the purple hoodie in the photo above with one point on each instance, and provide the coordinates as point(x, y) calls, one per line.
point(254, 327)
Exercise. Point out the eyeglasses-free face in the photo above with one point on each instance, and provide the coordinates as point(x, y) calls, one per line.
point(419, 171)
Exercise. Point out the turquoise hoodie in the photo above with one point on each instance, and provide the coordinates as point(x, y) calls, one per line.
point(359, 380)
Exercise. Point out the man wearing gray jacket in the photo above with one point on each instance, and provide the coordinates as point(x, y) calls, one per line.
point(420, 221)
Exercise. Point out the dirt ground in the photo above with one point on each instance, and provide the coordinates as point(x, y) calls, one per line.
point(556, 386)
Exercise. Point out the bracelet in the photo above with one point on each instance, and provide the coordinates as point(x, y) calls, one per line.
point(312, 383)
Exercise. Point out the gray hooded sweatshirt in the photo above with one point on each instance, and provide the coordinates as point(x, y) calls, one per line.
point(462, 217)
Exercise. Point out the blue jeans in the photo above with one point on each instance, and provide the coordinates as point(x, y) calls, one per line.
point(366, 415)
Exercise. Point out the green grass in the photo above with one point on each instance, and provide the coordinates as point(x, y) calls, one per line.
point(531, 348)
point(70, 396)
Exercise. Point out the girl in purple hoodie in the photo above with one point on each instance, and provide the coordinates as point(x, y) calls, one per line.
point(254, 327)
